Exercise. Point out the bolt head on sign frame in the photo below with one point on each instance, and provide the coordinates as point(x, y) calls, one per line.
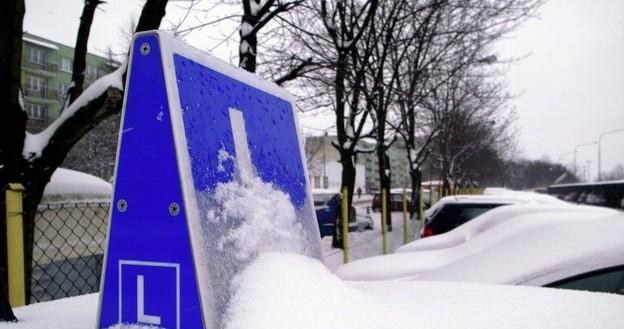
point(210, 172)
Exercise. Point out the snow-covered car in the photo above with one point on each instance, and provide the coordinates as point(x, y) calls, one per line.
point(411, 264)
point(508, 196)
point(455, 210)
point(574, 255)
point(489, 220)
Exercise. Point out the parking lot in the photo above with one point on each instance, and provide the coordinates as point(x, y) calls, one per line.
point(369, 242)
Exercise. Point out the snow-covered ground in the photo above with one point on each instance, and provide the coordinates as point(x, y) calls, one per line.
point(368, 243)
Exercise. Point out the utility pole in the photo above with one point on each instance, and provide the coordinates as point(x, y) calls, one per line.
point(599, 155)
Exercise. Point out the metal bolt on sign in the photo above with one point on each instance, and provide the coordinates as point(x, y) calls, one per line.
point(122, 205)
point(174, 209)
point(145, 49)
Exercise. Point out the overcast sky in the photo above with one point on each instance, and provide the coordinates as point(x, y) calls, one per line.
point(570, 87)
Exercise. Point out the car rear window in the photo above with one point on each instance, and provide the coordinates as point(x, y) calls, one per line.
point(455, 214)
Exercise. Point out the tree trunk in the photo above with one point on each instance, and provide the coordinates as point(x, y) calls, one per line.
point(348, 181)
point(416, 180)
point(12, 124)
point(248, 45)
point(384, 180)
point(80, 52)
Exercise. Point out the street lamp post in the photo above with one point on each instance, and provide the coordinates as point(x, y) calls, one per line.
point(599, 155)
point(576, 150)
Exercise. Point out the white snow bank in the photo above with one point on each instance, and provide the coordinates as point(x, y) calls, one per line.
point(290, 291)
point(70, 184)
point(67, 313)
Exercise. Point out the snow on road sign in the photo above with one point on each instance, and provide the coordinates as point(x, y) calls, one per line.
point(210, 172)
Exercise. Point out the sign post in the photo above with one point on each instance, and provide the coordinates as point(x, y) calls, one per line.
point(192, 128)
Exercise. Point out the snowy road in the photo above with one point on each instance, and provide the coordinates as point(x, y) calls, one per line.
point(368, 243)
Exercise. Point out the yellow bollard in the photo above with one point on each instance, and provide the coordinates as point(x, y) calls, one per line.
point(345, 225)
point(384, 229)
point(421, 210)
point(405, 222)
point(15, 244)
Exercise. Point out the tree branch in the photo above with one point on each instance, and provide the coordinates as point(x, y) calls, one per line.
point(295, 72)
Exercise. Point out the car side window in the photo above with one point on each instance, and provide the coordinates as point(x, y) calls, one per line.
point(470, 213)
point(608, 280)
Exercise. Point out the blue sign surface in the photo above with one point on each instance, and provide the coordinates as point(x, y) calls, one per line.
point(142, 228)
point(190, 125)
point(206, 96)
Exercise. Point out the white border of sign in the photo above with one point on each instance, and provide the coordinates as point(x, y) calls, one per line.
point(123, 262)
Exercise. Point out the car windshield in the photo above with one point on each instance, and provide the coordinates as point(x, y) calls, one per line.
point(609, 280)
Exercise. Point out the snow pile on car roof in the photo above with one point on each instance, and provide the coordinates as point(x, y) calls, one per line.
point(543, 257)
point(492, 218)
point(412, 264)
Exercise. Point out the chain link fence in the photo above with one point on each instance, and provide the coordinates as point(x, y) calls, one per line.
point(68, 249)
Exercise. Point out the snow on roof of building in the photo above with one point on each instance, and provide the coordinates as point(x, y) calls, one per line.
point(41, 43)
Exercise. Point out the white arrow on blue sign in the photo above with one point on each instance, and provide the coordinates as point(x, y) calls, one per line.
point(184, 114)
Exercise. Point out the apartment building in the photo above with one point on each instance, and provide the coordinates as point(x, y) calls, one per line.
point(325, 169)
point(399, 166)
point(46, 77)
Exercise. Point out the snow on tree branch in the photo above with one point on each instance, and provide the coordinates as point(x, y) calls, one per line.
point(35, 143)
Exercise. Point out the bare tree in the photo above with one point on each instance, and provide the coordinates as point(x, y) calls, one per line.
point(468, 110)
point(328, 33)
point(386, 45)
point(449, 35)
point(256, 15)
point(31, 159)
point(615, 174)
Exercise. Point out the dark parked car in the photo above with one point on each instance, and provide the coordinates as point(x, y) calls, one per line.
point(455, 213)
point(396, 202)
point(327, 207)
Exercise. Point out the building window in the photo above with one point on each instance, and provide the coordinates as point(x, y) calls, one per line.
point(325, 182)
point(66, 65)
point(36, 111)
point(317, 181)
point(36, 86)
point(62, 90)
point(92, 72)
point(37, 56)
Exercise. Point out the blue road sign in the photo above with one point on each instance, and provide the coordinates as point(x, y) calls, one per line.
point(191, 124)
